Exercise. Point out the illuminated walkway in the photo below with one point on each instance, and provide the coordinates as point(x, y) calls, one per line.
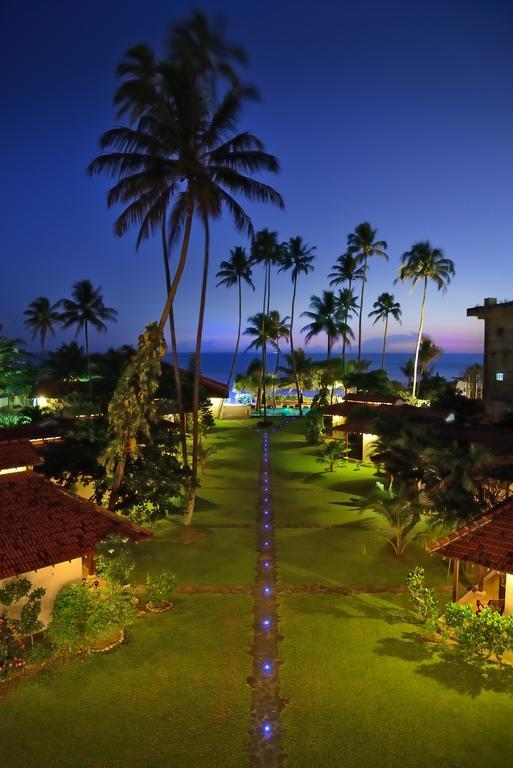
point(266, 704)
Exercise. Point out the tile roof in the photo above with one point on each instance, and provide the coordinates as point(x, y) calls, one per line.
point(47, 429)
point(40, 524)
point(19, 453)
point(372, 398)
point(487, 540)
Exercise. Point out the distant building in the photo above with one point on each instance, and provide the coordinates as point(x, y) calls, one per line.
point(498, 355)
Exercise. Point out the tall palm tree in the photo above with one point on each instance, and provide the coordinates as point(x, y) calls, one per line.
point(348, 307)
point(235, 271)
point(424, 264)
point(266, 250)
point(85, 309)
point(347, 270)
point(325, 318)
point(298, 257)
point(41, 317)
point(362, 243)
point(386, 306)
point(263, 332)
point(213, 165)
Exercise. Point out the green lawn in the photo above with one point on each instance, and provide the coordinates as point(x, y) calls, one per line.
point(365, 690)
point(173, 695)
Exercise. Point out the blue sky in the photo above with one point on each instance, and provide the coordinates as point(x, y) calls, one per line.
point(399, 113)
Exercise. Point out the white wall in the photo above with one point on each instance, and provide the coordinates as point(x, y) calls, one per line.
point(508, 602)
point(53, 579)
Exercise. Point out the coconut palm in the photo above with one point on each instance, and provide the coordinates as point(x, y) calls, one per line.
point(297, 257)
point(424, 264)
point(41, 318)
point(194, 135)
point(363, 245)
point(279, 329)
point(268, 251)
point(235, 271)
point(84, 310)
point(384, 307)
point(402, 514)
point(299, 372)
point(348, 307)
point(346, 270)
point(325, 318)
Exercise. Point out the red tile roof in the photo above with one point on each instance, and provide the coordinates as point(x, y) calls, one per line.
point(487, 540)
point(18, 454)
point(41, 525)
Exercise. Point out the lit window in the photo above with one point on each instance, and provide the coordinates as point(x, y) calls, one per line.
point(499, 377)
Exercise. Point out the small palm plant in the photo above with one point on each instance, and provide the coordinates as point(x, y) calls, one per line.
point(334, 455)
point(401, 512)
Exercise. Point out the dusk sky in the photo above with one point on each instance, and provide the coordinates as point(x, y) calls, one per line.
point(399, 113)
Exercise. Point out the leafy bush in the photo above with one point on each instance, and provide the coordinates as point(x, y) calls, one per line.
point(114, 560)
point(479, 634)
point(71, 608)
point(160, 587)
point(334, 454)
point(19, 592)
point(13, 420)
point(82, 616)
point(314, 427)
point(423, 598)
point(12, 648)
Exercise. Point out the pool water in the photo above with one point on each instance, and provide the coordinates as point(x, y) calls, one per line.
point(281, 412)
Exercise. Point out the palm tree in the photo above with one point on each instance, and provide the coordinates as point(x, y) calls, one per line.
point(86, 309)
point(348, 307)
point(402, 513)
point(279, 329)
point(41, 317)
point(346, 270)
point(362, 243)
point(299, 372)
point(423, 263)
point(262, 331)
point(384, 307)
point(266, 250)
point(325, 318)
point(297, 256)
point(235, 271)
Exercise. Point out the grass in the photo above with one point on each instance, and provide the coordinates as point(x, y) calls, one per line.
point(174, 695)
point(365, 690)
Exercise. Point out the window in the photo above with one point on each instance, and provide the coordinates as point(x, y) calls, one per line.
point(499, 377)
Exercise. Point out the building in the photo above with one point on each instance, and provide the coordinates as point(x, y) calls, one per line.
point(485, 544)
point(47, 535)
point(498, 355)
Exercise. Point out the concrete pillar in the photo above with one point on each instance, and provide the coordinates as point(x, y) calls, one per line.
point(508, 597)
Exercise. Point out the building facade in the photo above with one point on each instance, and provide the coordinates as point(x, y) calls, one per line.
point(498, 355)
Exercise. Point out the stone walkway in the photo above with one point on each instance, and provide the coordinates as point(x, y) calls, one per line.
point(264, 747)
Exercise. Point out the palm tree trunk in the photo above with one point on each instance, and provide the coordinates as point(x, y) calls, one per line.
point(364, 280)
point(264, 344)
point(344, 337)
point(196, 386)
point(419, 338)
point(238, 340)
point(181, 264)
point(384, 344)
point(174, 350)
point(292, 345)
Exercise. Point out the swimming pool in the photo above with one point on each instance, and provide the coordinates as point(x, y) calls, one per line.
point(287, 411)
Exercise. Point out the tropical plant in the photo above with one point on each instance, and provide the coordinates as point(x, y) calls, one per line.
point(41, 318)
point(428, 352)
point(334, 454)
point(325, 316)
point(18, 593)
point(473, 378)
point(298, 372)
point(348, 269)
point(298, 257)
point(314, 426)
point(423, 598)
point(384, 307)
point(114, 559)
point(235, 271)
point(424, 264)
point(348, 307)
point(363, 245)
point(84, 310)
point(402, 514)
point(266, 250)
point(279, 329)
point(160, 587)
point(132, 409)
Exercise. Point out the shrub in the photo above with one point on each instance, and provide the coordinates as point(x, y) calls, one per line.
point(12, 648)
point(314, 426)
point(111, 609)
point(71, 609)
point(423, 598)
point(160, 587)
point(479, 634)
point(114, 560)
point(19, 592)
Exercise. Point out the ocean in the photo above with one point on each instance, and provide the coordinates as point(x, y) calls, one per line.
point(216, 365)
